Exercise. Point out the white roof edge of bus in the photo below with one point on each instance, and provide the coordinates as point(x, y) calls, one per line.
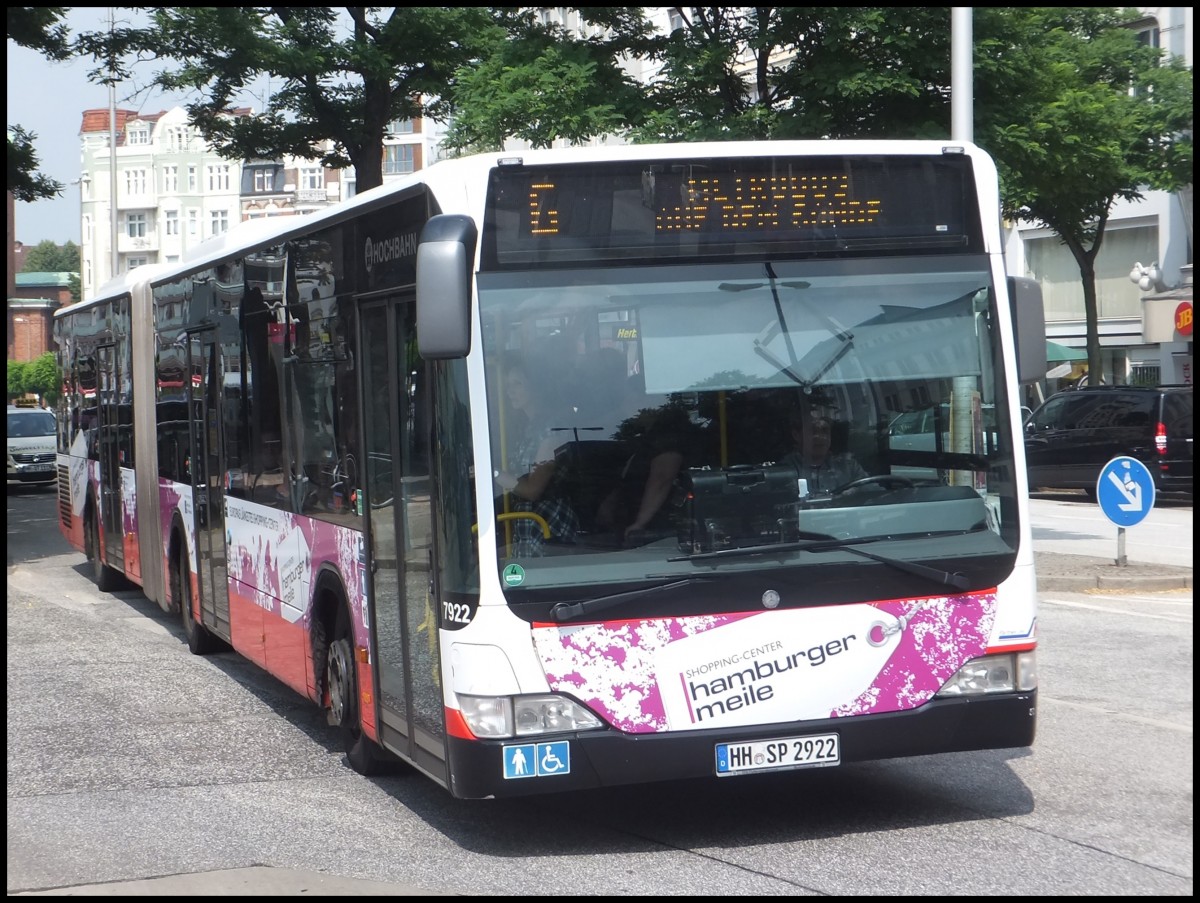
point(250, 235)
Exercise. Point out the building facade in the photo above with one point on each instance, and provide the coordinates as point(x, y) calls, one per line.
point(173, 191)
point(32, 302)
point(1140, 339)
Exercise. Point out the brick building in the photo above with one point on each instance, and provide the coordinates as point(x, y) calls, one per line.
point(31, 306)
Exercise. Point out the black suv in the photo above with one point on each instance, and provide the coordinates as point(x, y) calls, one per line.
point(1073, 434)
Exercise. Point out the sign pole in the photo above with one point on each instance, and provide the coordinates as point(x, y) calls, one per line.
point(1125, 491)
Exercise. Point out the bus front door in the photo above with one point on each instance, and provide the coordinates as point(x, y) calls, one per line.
point(396, 406)
point(207, 466)
point(108, 447)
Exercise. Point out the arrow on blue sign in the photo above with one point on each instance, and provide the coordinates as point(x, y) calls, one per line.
point(1125, 491)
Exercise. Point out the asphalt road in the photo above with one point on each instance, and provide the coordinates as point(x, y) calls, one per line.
point(135, 768)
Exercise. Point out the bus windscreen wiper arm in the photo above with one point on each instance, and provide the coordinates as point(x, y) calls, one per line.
point(567, 611)
point(958, 581)
point(946, 578)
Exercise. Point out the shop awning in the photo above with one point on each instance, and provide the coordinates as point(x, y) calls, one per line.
point(1056, 353)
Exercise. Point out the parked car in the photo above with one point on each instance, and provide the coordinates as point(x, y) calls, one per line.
point(32, 445)
point(1073, 434)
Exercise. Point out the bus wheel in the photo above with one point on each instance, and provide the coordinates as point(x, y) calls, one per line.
point(342, 681)
point(106, 578)
point(199, 640)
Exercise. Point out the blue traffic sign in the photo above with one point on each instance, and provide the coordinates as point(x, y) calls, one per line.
point(1125, 491)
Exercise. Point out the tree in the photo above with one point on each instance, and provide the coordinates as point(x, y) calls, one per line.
point(48, 257)
point(338, 75)
point(38, 28)
point(1078, 114)
point(545, 83)
point(728, 73)
point(42, 377)
point(16, 379)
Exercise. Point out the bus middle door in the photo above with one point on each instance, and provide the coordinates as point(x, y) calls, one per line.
point(108, 445)
point(207, 465)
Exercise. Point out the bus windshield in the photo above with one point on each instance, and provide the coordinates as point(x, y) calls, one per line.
point(643, 418)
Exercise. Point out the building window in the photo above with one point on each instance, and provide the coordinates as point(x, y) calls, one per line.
point(138, 134)
point(179, 137)
point(218, 177)
point(264, 180)
point(135, 181)
point(132, 263)
point(400, 127)
point(87, 229)
point(218, 222)
point(312, 178)
point(135, 225)
point(1148, 34)
point(675, 17)
point(171, 222)
point(170, 179)
point(1051, 264)
point(192, 182)
point(397, 158)
point(193, 222)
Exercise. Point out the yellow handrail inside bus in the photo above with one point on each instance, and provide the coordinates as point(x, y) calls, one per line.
point(515, 515)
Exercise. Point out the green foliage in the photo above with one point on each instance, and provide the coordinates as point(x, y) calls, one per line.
point(43, 378)
point(16, 379)
point(542, 85)
point(338, 75)
point(38, 28)
point(1078, 115)
point(24, 181)
point(48, 257)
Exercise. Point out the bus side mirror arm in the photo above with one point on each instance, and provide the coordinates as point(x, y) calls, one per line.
point(445, 256)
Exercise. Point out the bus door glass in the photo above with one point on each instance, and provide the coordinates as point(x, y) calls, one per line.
point(108, 447)
point(395, 402)
point(207, 467)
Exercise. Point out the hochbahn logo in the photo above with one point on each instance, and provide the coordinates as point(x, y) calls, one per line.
point(389, 249)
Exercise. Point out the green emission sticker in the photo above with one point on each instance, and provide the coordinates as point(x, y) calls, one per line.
point(513, 575)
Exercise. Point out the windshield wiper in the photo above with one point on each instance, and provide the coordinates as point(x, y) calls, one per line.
point(567, 611)
point(946, 578)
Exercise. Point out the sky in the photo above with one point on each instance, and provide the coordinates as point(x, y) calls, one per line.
point(48, 99)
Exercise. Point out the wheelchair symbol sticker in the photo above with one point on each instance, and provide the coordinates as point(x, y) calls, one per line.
point(533, 760)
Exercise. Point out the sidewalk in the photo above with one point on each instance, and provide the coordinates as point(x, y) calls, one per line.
point(1081, 573)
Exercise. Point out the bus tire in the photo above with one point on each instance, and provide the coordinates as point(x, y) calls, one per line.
point(341, 680)
point(199, 640)
point(107, 579)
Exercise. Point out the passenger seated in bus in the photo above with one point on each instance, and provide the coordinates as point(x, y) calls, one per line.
point(636, 509)
point(813, 455)
point(531, 479)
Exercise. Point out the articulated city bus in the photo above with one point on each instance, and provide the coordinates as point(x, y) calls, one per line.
point(572, 468)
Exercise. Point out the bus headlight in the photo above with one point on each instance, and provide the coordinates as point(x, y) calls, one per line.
point(523, 716)
point(1004, 673)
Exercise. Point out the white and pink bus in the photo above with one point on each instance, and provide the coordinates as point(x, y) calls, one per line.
point(508, 465)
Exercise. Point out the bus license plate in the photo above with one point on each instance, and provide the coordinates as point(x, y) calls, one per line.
point(812, 751)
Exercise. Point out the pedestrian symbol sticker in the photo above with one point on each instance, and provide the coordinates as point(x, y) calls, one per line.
point(537, 759)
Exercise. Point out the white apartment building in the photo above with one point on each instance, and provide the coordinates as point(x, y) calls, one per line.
point(172, 191)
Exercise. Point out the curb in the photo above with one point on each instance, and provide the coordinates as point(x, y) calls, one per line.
point(1113, 583)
